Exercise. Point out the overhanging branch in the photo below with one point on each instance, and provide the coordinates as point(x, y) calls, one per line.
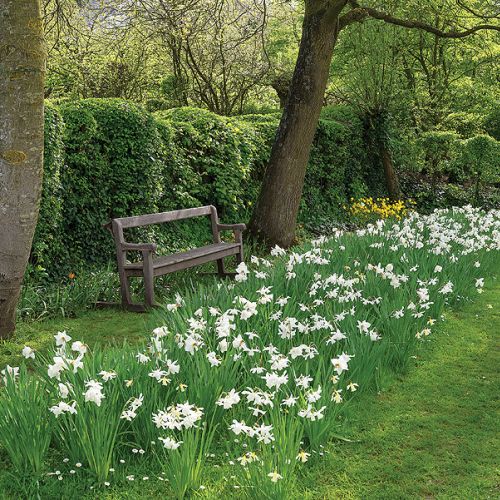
point(359, 14)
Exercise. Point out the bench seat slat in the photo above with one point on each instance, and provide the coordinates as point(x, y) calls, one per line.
point(169, 260)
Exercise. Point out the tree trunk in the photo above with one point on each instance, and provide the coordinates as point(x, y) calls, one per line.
point(391, 178)
point(22, 68)
point(275, 215)
point(281, 84)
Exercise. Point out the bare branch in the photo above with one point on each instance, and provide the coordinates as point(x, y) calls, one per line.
point(477, 14)
point(359, 14)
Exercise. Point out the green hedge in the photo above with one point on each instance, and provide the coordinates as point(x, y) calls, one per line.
point(48, 240)
point(217, 154)
point(108, 158)
point(113, 167)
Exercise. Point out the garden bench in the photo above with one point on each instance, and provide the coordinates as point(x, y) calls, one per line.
point(151, 265)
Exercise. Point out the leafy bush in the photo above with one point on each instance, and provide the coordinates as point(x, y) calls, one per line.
point(327, 176)
point(440, 151)
point(480, 161)
point(260, 131)
point(108, 158)
point(215, 153)
point(48, 240)
point(430, 194)
point(114, 167)
point(464, 124)
point(491, 122)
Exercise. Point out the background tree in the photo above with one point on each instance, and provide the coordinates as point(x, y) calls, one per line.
point(22, 66)
point(374, 87)
point(275, 215)
point(282, 45)
point(216, 47)
point(99, 50)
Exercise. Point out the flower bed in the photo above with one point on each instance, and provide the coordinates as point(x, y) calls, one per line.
point(259, 369)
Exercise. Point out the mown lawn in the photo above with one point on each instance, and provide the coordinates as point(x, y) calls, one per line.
point(431, 434)
point(435, 433)
point(110, 326)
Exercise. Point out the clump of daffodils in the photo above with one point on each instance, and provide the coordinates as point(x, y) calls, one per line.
point(369, 209)
point(268, 362)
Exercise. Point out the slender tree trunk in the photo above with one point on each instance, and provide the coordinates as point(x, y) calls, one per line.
point(391, 178)
point(22, 68)
point(275, 215)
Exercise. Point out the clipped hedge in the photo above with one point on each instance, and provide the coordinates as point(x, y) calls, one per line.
point(113, 167)
point(48, 240)
point(109, 158)
point(217, 155)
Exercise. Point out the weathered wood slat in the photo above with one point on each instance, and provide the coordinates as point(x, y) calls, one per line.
point(186, 264)
point(148, 219)
point(169, 260)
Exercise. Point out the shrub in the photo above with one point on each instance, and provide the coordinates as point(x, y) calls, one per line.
point(259, 131)
point(212, 148)
point(325, 183)
point(479, 160)
point(464, 124)
point(440, 151)
point(108, 158)
point(113, 168)
point(491, 122)
point(47, 242)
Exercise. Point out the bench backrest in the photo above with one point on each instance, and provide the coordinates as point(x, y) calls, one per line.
point(116, 226)
point(148, 219)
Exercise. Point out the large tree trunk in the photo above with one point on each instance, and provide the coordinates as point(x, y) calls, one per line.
point(22, 67)
point(275, 215)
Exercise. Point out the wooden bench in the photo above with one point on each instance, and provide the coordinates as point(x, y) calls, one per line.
point(152, 265)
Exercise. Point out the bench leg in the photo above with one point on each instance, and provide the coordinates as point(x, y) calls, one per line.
point(148, 279)
point(239, 256)
point(221, 268)
point(149, 290)
point(125, 290)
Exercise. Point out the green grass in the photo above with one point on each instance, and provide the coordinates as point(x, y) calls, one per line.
point(109, 326)
point(431, 434)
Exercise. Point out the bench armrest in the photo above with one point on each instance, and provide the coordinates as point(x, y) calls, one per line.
point(140, 247)
point(231, 227)
point(237, 230)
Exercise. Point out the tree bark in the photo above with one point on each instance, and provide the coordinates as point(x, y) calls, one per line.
point(281, 84)
point(22, 69)
point(275, 215)
point(391, 178)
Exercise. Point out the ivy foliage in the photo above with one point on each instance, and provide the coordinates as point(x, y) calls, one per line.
point(108, 158)
point(113, 168)
point(48, 239)
point(111, 158)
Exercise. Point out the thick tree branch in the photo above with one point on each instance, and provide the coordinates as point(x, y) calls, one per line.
point(358, 14)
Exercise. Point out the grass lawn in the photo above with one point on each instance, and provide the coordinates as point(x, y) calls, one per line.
point(435, 433)
point(431, 434)
point(109, 326)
